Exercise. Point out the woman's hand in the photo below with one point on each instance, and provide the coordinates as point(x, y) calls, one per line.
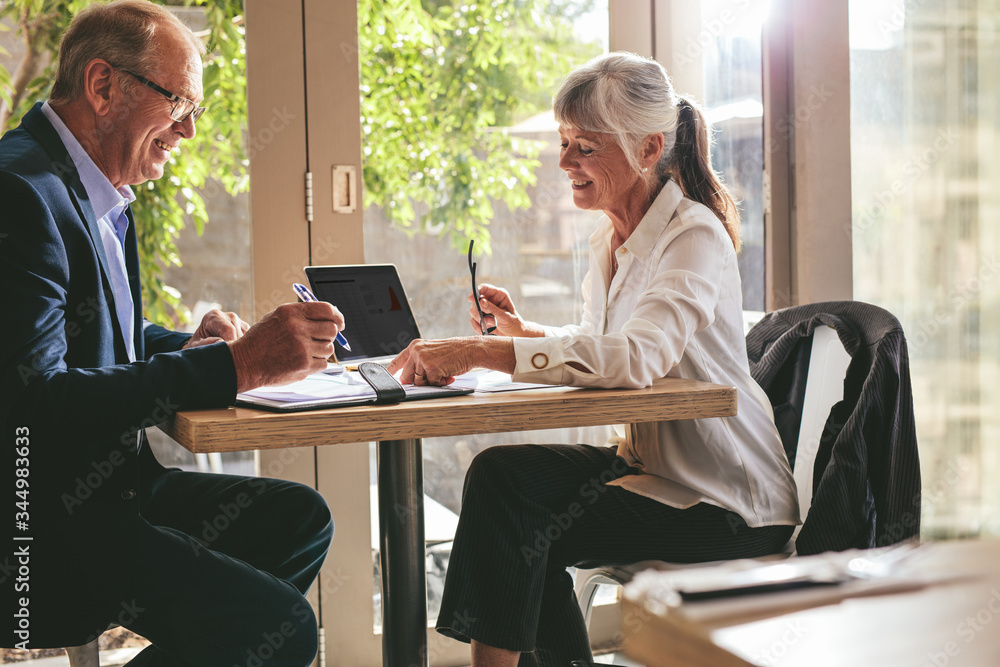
point(496, 303)
point(437, 362)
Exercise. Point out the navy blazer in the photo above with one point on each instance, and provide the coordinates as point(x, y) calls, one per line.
point(72, 407)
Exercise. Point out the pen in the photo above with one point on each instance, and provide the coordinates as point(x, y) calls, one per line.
point(303, 292)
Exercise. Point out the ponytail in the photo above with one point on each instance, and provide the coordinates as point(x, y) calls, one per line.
point(691, 166)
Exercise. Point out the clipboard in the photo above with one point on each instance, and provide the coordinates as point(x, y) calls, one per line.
point(378, 388)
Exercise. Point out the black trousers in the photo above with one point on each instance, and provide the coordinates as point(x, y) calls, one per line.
point(225, 561)
point(531, 511)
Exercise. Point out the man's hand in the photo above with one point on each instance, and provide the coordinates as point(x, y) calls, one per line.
point(289, 343)
point(437, 362)
point(217, 326)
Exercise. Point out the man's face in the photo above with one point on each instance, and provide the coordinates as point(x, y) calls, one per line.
point(140, 143)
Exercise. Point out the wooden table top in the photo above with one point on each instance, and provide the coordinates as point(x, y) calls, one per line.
point(236, 429)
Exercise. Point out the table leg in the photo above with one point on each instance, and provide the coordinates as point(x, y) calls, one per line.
point(401, 552)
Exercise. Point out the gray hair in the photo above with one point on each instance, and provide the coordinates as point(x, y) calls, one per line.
point(123, 33)
point(630, 97)
point(624, 95)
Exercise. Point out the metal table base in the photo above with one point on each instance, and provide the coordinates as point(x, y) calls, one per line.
point(401, 552)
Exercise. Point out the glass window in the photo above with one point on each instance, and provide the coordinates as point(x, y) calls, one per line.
point(730, 48)
point(925, 94)
point(538, 253)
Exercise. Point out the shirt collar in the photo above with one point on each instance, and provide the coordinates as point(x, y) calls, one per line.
point(106, 200)
point(642, 239)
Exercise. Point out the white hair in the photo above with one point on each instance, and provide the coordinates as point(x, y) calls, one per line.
point(624, 95)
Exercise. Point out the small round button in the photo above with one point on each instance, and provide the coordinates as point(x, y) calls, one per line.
point(128, 495)
point(540, 360)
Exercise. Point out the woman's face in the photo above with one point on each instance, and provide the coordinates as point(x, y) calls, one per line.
point(602, 178)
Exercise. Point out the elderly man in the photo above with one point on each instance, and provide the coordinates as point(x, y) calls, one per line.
point(210, 568)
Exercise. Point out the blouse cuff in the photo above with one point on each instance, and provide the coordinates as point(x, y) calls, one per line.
point(539, 360)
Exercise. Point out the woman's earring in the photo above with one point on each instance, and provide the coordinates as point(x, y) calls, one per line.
point(645, 169)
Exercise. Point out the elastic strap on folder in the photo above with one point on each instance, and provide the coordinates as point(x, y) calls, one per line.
point(387, 390)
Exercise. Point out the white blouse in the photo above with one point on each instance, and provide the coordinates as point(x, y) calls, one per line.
point(673, 309)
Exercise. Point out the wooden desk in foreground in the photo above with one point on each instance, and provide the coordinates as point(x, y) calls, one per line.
point(949, 616)
point(398, 429)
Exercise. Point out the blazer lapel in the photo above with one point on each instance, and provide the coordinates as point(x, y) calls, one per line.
point(41, 129)
point(39, 126)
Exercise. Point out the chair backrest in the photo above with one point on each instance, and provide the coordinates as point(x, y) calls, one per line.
point(828, 362)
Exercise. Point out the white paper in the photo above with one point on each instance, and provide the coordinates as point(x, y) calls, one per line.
point(486, 381)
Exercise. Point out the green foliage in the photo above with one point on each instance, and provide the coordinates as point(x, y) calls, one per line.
point(439, 82)
point(214, 158)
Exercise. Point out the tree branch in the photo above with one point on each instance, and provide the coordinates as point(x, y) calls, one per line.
point(32, 63)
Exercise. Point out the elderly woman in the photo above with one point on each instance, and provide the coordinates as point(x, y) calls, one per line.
point(662, 298)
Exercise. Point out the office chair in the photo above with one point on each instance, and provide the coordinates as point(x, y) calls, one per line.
point(837, 376)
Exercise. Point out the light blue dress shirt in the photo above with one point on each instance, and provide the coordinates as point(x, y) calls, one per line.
point(109, 206)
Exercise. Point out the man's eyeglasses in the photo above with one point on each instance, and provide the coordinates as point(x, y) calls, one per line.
point(475, 297)
point(182, 107)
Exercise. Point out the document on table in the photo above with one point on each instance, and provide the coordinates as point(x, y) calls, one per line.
point(337, 387)
point(325, 390)
point(489, 382)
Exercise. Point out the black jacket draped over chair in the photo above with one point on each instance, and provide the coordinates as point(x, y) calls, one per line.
point(866, 483)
